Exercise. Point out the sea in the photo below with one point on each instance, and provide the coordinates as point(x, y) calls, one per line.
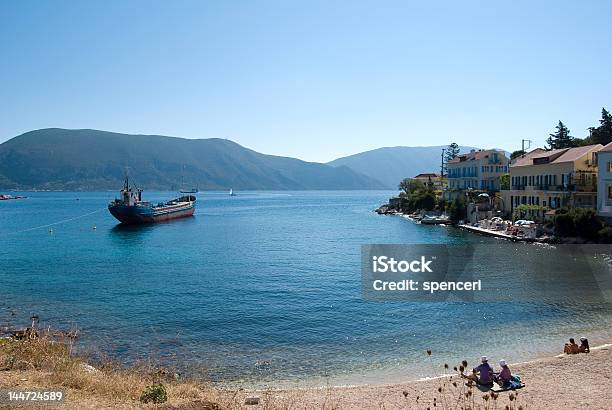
point(263, 289)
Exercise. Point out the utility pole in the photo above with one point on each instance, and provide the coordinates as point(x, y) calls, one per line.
point(523, 145)
point(442, 165)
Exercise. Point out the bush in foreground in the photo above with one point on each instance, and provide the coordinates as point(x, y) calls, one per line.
point(605, 235)
point(154, 394)
point(578, 222)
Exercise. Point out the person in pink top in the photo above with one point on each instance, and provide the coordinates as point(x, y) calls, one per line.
point(505, 375)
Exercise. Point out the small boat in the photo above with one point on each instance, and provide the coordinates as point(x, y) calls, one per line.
point(131, 209)
point(7, 197)
point(435, 220)
point(231, 192)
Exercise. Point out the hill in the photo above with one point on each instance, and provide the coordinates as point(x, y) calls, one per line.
point(390, 165)
point(85, 159)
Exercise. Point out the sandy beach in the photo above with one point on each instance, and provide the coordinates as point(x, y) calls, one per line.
point(559, 382)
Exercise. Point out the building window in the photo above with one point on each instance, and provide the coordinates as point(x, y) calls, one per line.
point(609, 166)
point(609, 192)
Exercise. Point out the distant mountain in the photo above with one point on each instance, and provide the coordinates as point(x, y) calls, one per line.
point(63, 159)
point(392, 164)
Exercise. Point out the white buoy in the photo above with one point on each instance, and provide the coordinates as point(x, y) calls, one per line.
point(94, 227)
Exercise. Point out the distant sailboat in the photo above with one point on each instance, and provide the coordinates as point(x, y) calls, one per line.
point(231, 192)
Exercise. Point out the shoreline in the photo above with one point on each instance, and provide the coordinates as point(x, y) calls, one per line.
point(285, 385)
point(117, 387)
point(424, 392)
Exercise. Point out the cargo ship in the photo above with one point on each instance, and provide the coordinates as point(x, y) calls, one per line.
point(131, 209)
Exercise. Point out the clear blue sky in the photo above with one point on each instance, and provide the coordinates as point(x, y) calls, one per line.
point(310, 79)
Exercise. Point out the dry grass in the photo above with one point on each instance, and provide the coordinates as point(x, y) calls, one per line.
point(43, 362)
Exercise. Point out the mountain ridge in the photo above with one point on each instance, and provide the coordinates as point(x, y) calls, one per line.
point(390, 165)
point(87, 159)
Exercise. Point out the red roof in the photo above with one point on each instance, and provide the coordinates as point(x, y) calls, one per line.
point(427, 176)
point(554, 156)
point(473, 156)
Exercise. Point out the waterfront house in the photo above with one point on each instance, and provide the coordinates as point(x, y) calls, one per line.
point(431, 180)
point(477, 170)
point(604, 187)
point(553, 179)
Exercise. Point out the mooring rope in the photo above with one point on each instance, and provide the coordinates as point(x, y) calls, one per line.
point(57, 223)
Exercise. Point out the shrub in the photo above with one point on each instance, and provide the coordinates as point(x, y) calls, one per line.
point(154, 394)
point(416, 196)
point(587, 223)
point(526, 211)
point(605, 234)
point(577, 222)
point(422, 200)
point(457, 209)
point(564, 225)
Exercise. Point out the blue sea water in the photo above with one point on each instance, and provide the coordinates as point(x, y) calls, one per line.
point(262, 287)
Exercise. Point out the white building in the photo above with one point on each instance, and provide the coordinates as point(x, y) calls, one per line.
point(604, 185)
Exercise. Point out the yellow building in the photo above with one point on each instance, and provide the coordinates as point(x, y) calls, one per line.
point(553, 179)
point(478, 170)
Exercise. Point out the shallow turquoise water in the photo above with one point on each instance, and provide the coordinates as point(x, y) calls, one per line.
point(260, 287)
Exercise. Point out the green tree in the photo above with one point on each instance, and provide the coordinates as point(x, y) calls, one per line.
point(504, 181)
point(578, 222)
point(517, 154)
point(457, 209)
point(451, 152)
point(410, 185)
point(422, 199)
point(603, 133)
point(561, 138)
point(587, 223)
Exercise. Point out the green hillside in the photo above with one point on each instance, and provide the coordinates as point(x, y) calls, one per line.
point(96, 160)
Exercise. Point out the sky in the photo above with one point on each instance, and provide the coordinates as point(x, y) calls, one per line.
point(316, 80)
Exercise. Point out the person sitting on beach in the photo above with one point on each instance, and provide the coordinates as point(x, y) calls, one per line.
point(505, 375)
point(483, 374)
point(584, 345)
point(571, 347)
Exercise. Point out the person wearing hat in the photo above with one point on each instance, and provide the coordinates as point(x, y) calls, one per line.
point(505, 375)
point(483, 373)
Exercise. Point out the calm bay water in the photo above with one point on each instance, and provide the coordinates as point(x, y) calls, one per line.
point(260, 287)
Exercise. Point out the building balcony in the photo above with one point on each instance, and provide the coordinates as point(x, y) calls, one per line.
point(556, 188)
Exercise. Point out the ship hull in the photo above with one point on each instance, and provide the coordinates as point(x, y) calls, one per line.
point(133, 215)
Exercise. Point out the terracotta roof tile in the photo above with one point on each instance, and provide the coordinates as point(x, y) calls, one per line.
point(473, 156)
point(431, 175)
point(556, 155)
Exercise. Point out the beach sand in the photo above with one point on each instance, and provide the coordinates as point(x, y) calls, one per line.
point(580, 381)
